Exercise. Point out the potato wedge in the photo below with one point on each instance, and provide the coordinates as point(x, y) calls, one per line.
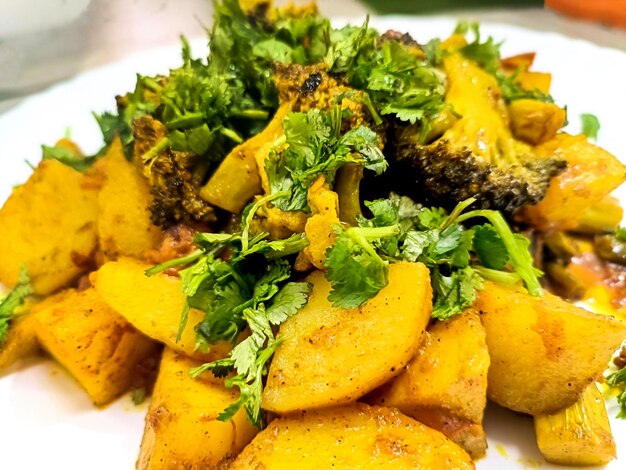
point(95, 344)
point(544, 351)
point(182, 430)
point(21, 341)
point(49, 225)
point(124, 225)
point(445, 384)
point(153, 305)
point(579, 434)
point(350, 437)
point(332, 355)
point(591, 174)
point(534, 121)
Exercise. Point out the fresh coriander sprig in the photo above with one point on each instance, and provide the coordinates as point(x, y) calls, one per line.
point(618, 380)
point(15, 298)
point(458, 258)
point(251, 290)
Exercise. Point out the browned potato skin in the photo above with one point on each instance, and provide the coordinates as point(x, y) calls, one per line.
point(95, 344)
point(544, 351)
point(445, 384)
point(535, 122)
point(182, 430)
point(153, 305)
point(124, 225)
point(49, 224)
point(591, 174)
point(350, 437)
point(333, 355)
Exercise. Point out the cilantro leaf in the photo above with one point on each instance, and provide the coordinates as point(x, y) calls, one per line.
point(618, 380)
point(287, 301)
point(489, 247)
point(354, 269)
point(454, 293)
point(590, 125)
point(312, 147)
point(12, 301)
point(67, 157)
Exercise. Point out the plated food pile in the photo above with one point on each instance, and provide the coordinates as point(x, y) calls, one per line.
point(326, 247)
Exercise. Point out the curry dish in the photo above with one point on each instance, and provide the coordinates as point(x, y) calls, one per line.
point(329, 247)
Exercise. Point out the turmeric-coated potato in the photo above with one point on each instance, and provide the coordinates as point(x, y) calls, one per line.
point(333, 355)
point(445, 384)
point(534, 121)
point(153, 305)
point(544, 351)
point(124, 225)
point(49, 224)
point(591, 174)
point(93, 342)
point(21, 341)
point(353, 436)
point(182, 430)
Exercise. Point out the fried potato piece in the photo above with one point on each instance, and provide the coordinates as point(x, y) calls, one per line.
point(544, 351)
point(95, 344)
point(124, 225)
point(49, 225)
point(445, 384)
point(238, 177)
point(591, 174)
point(579, 434)
point(534, 121)
point(350, 437)
point(153, 305)
point(324, 205)
point(332, 355)
point(21, 341)
point(182, 430)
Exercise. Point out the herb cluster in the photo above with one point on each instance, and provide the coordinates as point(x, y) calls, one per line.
point(458, 257)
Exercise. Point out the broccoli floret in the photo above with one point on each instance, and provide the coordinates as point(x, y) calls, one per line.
point(174, 177)
point(474, 153)
point(442, 176)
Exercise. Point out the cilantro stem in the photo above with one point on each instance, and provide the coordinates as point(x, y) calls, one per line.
point(521, 265)
point(172, 263)
point(245, 226)
point(364, 235)
point(155, 150)
point(186, 121)
point(151, 84)
point(456, 212)
point(231, 134)
point(251, 114)
point(497, 276)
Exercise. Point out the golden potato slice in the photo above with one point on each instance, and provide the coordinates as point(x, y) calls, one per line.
point(95, 344)
point(350, 437)
point(534, 121)
point(332, 355)
point(153, 305)
point(124, 225)
point(182, 430)
point(49, 225)
point(591, 174)
point(544, 351)
point(21, 341)
point(445, 384)
point(579, 434)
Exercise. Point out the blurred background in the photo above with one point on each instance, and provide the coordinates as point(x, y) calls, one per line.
point(46, 41)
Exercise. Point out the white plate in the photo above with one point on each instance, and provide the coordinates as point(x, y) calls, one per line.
point(46, 421)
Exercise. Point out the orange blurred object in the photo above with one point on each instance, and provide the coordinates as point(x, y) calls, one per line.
point(611, 12)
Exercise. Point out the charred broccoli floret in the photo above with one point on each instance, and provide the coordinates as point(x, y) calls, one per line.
point(442, 176)
point(472, 152)
point(175, 178)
